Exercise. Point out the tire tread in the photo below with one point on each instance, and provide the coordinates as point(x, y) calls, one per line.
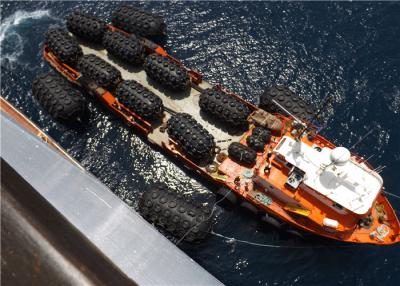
point(175, 213)
point(138, 98)
point(99, 70)
point(191, 136)
point(64, 47)
point(224, 107)
point(57, 96)
point(166, 72)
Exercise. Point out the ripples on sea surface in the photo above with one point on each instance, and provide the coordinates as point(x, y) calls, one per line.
point(348, 50)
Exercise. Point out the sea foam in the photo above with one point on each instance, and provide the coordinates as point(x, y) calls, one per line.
point(19, 17)
point(9, 33)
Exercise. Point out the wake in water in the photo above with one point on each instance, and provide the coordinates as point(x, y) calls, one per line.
point(19, 31)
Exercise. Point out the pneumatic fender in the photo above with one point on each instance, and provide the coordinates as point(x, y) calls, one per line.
point(100, 71)
point(86, 27)
point(286, 98)
point(166, 72)
point(126, 48)
point(139, 22)
point(139, 99)
point(57, 96)
point(177, 214)
point(193, 138)
point(224, 107)
point(242, 154)
point(63, 46)
point(259, 138)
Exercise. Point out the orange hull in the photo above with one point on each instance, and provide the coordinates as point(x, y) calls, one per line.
point(384, 228)
point(317, 206)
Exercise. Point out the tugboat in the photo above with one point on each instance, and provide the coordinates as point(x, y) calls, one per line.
point(269, 159)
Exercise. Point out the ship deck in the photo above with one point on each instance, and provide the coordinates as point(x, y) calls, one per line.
point(185, 101)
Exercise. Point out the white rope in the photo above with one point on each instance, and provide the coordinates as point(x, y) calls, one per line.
point(393, 195)
point(233, 240)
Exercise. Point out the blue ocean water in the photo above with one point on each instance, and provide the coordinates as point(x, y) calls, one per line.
point(348, 50)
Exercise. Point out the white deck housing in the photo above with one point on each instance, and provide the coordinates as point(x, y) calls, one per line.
point(350, 184)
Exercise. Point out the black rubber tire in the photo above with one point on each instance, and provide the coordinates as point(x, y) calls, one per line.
point(166, 72)
point(259, 137)
point(99, 70)
point(134, 20)
point(128, 49)
point(86, 27)
point(57, 96)
point(288, 99)
point(262, 134)
point(255, 143)
point(191, 136)
point(139, 99)
point(175, 213)
point(224, 107)
point(242, 154)
point(64, 47)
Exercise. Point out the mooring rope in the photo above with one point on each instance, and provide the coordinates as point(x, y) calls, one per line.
point(203, 220)
point(231, 240)
point(391, 194)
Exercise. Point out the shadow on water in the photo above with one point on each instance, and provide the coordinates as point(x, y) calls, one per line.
point(160, 40)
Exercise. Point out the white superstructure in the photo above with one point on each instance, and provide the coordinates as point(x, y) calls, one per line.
point(333, 173)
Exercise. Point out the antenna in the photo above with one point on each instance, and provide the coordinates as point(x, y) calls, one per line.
point(379, 170)
point(366, 160)
point(362, 138)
